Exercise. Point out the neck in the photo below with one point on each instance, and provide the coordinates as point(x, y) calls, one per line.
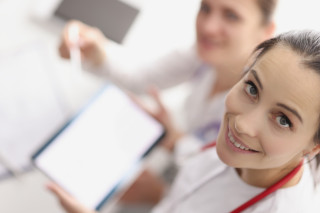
point(226, 77)
point(265, 178)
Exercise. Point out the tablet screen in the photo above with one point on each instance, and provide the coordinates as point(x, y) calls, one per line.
point(94, 152)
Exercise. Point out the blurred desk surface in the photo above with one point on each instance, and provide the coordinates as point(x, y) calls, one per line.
point(27, 194)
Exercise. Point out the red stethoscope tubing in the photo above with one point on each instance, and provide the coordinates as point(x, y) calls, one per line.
point(267, 191)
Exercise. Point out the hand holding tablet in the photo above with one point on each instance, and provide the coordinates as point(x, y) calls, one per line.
point(96, 150)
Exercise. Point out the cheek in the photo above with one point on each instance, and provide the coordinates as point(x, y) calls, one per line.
point(245, 46)
point(234, 102)
point(233, 35)
point(245, 39)
point(283, 146)
point(229, 102)
point(197, 24)
point(239, 48)
point(277, 147)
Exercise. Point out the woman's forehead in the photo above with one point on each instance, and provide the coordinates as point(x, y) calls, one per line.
point(242, 6)
point(282, 72)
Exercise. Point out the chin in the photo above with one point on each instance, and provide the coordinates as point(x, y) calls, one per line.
point(209, 56)
point(227, 158)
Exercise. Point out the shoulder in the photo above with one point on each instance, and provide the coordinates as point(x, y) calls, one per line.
point(299, 198)
point(201, 164)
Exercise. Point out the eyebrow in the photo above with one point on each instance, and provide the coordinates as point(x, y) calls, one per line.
point(291, 110)
point(255, 74)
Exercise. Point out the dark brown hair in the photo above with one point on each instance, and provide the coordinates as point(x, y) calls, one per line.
point(267, 8)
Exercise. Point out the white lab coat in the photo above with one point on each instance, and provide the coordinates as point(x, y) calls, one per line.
point(206, 185)
point(201, 116)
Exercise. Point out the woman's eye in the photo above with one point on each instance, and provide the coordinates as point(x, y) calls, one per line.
point(204, 8)
point(231, 16)
point(283, 121)
point(251, 89)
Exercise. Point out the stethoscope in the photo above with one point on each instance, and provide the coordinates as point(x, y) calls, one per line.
point(261, 195)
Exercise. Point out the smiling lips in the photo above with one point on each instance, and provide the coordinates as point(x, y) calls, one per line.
point(237, 145)
point(209, 43)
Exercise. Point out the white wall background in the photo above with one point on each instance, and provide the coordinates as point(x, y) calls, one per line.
point(298, 14)
point(163, 24)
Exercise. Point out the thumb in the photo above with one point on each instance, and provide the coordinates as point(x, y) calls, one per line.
point(153, 91)
point(55, 189)
point(70, 204)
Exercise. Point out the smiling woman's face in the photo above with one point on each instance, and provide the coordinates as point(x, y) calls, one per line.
point(271, 114)
point(229, 30)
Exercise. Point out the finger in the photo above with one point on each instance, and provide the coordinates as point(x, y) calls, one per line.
point(66, 31)
point(91, 43)
point(139, 103)
point(70, 204)
point(60, 193)
point(154, 92)
point(64, 48)
point(87, 36)
point(64, 51)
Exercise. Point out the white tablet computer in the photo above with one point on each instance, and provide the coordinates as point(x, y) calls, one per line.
point(94, 152)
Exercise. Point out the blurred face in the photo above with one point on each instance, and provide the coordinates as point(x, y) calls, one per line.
point(228, 30)
point(271, 114)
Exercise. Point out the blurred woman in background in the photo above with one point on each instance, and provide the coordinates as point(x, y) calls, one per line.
point(227, 31)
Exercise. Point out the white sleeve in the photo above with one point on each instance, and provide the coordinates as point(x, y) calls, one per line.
point(185, 148)
point(160, 159)
point(131, 71)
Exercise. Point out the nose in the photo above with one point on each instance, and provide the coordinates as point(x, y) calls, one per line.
point(247, 124)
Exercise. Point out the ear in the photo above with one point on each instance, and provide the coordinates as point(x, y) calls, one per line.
point(315, 150)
